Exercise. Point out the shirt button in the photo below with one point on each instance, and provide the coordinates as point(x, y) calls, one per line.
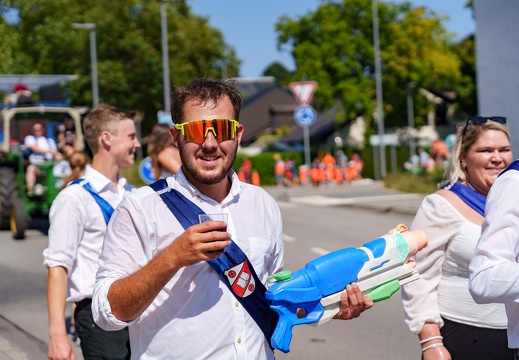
point(237, 304)
point(239, 340)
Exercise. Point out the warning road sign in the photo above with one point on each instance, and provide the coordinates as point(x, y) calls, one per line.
point(303, 91)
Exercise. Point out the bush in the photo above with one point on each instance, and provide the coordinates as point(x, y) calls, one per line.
point(415, 183)
point(131, 173)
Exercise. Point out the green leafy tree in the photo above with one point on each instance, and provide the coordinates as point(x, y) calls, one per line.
point(466, 88)
point(334, 46)
point(279, 72)
point(129, 48)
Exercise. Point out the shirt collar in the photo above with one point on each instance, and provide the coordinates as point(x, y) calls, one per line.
point(99, 181)
point(234, 192)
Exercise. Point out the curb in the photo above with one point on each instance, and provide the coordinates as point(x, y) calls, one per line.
point(13, 338)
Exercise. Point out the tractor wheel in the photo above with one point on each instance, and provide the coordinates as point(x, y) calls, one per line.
point(7, 192)
point(18, 220)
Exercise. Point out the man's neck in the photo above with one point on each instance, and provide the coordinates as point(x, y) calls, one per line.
point(107, 167)
point(217, 192)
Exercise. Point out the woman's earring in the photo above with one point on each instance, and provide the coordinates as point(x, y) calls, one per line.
point(463, 165)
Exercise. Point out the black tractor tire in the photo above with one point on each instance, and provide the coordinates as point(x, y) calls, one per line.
point(7, 193)
point(17, 220)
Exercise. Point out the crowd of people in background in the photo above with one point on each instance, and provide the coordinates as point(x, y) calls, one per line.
point(325, 170)
point(424, 162)
point(247, 174)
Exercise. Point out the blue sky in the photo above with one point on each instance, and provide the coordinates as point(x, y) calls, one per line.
point(248, 26)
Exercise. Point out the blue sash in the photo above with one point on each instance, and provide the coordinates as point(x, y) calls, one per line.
point(471, 197)
point(232, 266)
point(106, 208)
point(513, 166)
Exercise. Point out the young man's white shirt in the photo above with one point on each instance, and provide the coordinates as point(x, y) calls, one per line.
point(77, 229)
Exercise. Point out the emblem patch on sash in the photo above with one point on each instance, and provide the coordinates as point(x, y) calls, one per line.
point(241, 279)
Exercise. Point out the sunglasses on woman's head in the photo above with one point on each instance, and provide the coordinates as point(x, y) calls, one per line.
point(197, 130)
point(478, 120)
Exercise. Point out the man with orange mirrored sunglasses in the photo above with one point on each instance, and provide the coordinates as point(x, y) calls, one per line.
point(196, 130)
point(183, 299)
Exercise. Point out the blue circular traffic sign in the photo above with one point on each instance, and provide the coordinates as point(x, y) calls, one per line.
point(146, 171)
point(305, 115)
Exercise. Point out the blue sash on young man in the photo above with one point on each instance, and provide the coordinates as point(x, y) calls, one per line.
point(106, 208)
point(233, 266)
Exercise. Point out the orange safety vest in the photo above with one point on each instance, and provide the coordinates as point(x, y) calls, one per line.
point(255, 178)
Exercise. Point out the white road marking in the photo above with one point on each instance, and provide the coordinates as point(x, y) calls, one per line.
point(319, 251)
point(286, 205)
point(289, 239)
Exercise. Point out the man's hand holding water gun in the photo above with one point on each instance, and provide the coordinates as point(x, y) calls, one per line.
point(353, 303)
point(344, 283)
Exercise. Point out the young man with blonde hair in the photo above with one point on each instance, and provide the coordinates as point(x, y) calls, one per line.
point(78, 221)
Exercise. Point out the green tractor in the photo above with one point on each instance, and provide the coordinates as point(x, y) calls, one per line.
point(17, 207)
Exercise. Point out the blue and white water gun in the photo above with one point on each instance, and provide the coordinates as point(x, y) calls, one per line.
point(312, 294)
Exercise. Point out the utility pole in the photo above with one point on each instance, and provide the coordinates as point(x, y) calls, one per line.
point(378, 79)
point(93, 58)
point(165, 56)
point(410, 118)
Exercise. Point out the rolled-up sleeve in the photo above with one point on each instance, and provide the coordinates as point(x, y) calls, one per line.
point(67, 224)
point(494, 271)
point(126, 249)
point(437, 219)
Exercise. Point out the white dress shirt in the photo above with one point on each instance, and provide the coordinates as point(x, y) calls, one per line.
point(494, 269)
point(77, 229)
point(195, 316)
point(442, 289)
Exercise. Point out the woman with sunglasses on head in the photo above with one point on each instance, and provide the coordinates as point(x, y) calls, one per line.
point(438, 307)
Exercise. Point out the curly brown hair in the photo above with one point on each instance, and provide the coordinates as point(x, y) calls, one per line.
point(205, 91)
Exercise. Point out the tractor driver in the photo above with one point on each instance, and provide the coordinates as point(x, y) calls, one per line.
point(40, 149)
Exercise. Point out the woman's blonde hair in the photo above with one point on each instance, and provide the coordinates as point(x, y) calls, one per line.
point(456, 172)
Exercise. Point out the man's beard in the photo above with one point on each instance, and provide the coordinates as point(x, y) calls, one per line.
point(198, 175)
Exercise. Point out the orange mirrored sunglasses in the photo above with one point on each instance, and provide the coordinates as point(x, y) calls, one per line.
point(196, 130)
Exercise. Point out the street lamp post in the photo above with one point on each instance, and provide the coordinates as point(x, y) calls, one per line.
point(93, 58)
point(378, 79)
point(165, 56)
point(410, 118)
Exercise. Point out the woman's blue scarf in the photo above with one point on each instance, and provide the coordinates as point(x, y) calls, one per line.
point(471, 197)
